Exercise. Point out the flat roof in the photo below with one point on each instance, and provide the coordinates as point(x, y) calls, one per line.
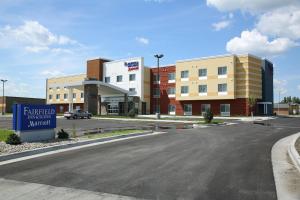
point(66, 76)
point(217, 56)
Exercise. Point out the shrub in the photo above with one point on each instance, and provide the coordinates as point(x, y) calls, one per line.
point(132, 113)
point(13, 139)
point(62, 134)
point(208, 116)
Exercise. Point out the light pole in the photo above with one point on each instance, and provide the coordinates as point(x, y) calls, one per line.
point(158, 56)
point(278, 101)
point(3, 81)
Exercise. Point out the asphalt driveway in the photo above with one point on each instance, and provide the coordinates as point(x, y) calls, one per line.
point(232, 162)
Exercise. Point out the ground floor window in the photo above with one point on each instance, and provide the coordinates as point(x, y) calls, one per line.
point(187, 108)
point(225, 109)
point(171, 109)
point(204, 108)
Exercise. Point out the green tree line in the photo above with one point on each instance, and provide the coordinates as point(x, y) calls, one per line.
point(290, 99)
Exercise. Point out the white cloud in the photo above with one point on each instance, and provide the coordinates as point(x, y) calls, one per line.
point(51, 73)
point(255, 42)
point(252, 6)
point(33, 36)
point(283, 22)
point(280, 86)
point(142, 40)
point(221, 25)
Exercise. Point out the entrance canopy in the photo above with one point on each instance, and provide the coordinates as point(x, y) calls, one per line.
point(105, 88)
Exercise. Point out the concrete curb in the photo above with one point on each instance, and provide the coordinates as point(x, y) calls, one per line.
point(293, 153)
point(34, 152)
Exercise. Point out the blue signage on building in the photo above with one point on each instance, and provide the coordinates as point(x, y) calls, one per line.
point(132, 65)
point(33, 117)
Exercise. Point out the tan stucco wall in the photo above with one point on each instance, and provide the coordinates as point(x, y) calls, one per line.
point(61, 82)
point(211, 64)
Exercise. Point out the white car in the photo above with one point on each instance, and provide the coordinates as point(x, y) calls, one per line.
point(77, 114)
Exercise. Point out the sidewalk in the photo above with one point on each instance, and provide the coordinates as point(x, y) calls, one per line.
point(286, 175)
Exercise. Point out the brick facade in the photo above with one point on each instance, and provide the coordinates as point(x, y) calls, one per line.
point(238, 107)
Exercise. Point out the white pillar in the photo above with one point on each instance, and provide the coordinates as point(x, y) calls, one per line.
point(70, 99)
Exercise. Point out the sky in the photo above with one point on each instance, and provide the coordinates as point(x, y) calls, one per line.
point(43, 39)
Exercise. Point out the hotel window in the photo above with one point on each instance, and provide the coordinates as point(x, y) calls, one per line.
point(74, 95)
point(222, 71)
point(171, 109)
point(225, 110)
point(156, 92)
point(65, 96)
point(222, 87)
point(81, 95)
point(187, 108)
point(119, 78)
point(156, 78)
point(107, 79)
point(132, 90)
point(202, 88)
point(171, 91)
point(185, 74)
point(171, 76)
point(58, 96)
point(50, 88)
point(184, 89)
point(50, 96)
point(202, 72)
point(131, 77)
point(205, 108)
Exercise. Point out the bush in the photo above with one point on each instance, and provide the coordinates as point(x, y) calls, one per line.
point(62, 134)
point(208, 116)
point(132, 113)
point(13, 139)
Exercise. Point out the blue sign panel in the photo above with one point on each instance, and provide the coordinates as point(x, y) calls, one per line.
point(132, 65)
point(33, 117)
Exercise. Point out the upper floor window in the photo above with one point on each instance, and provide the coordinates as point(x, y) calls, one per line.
point(74, 95)
point(65, 96)
point(107, 79)
point(185, 74)
point(131, 77)
point(132, 90)
point(156, 92)
point(202, 88)
point(50, 96)
point(81, 95)
point(58, 96)
point(156, 77)
point(202, 72)
point(222, 70)
point(119, 78)
point(171, 76)
point(57, 88)
point(171, 91)
point(50, 88)
point(184, 89)
point(222, 87)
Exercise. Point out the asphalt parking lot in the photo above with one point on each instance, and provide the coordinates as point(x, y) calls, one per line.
point(232, 162)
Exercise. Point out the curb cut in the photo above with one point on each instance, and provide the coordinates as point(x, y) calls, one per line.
point(34, 152)
point(293, 153)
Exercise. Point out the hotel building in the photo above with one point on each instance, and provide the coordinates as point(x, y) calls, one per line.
point(222, 84)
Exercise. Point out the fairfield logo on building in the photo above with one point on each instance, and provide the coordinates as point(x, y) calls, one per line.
point(132, 65)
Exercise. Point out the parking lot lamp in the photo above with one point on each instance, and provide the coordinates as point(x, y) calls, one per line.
point(158, 56)
point(3, 81)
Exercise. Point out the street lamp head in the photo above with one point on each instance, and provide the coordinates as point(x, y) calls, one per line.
point(3, 80)
point(158, 56)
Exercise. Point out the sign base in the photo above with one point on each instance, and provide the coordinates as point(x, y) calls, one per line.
point(36, 135)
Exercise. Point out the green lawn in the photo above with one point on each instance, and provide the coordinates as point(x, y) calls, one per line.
point(214, 121)
point(111, 134)
point(4, 134)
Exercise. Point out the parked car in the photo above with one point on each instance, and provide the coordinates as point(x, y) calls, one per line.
point(77, 114)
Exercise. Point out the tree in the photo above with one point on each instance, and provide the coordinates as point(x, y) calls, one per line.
point(251, 104)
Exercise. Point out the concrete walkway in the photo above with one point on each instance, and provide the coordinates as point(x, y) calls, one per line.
point(11, 190)
point(286, 175)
